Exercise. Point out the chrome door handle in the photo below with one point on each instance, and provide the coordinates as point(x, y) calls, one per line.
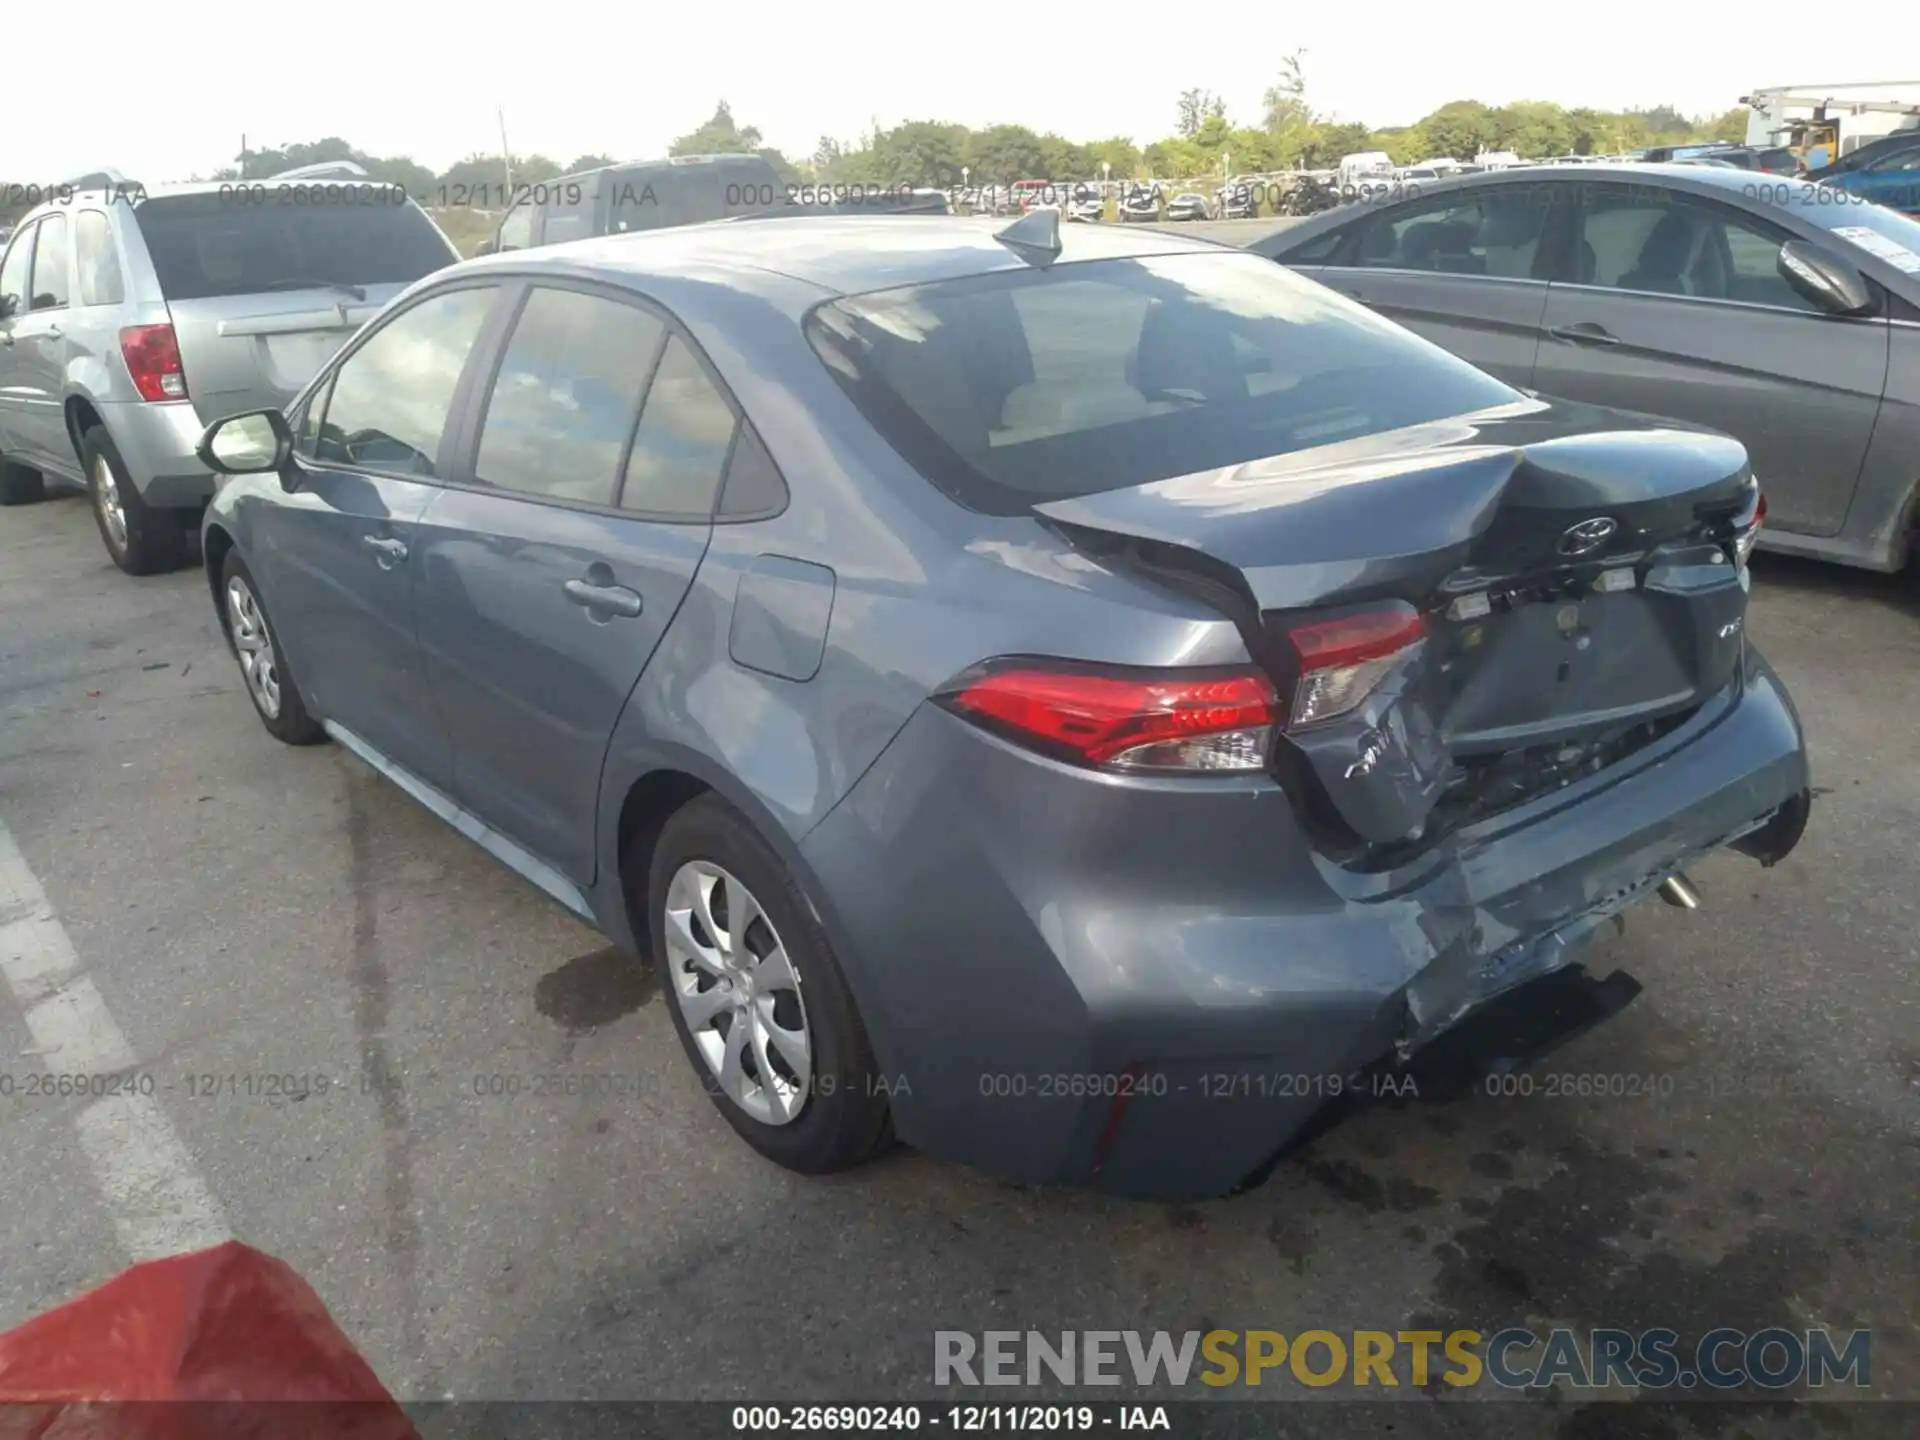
point(614, 599)
point(1585, 333)
point(385, 551)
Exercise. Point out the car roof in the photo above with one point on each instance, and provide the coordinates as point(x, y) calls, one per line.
point(841, 254)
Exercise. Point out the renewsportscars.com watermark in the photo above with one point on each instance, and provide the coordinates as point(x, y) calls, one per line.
point(1514, 1359)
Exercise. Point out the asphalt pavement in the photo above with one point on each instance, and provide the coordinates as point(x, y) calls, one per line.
point(510, 1188)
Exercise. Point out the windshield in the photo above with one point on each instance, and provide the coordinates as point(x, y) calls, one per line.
point(211, 245)
point(1012, 389)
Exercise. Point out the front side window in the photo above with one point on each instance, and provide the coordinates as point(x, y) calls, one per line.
point(391, 397)
point(1666, 243)
point(1012, 389)
point(97, 261)
point(52, 256)
point(566, 396)
point(1490, 232)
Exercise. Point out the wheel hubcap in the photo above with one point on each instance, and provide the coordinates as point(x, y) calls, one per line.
point(738, 992)
point(108, 494)
point(255, 644)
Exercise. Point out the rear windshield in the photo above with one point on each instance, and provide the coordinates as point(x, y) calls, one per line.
point(1011, 389)
point(211, 245)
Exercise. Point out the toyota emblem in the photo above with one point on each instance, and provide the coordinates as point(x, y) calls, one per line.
point(1587, 535)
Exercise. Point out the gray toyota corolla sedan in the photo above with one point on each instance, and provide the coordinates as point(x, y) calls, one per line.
point(1069, 697)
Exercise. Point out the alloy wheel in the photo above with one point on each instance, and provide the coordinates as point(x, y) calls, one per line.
point(738, 993)
point(107, 496)
point(258, 662)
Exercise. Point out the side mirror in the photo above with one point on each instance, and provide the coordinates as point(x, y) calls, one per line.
point(1830, 283)
point(253, 443)
point(487, 247)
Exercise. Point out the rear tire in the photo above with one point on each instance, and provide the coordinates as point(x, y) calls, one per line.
point(142, 539)
point(841, 1117)
point(263, 666)
point(19, 485)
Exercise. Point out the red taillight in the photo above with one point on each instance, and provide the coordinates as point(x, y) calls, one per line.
point(1127, 720)
point(152, 354)
point(1342, 660)
point(1746, 529)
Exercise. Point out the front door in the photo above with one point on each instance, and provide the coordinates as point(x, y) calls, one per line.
point(336, 561)
point(547, 579)
point(1677, 309)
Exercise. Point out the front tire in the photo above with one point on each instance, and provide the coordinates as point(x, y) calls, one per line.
point(757, 997)
point(141, 539)
point(263, 668)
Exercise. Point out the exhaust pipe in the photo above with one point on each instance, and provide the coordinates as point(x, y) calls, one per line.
point(1678, 891)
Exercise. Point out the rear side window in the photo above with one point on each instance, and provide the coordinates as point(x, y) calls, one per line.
point(566, 396)
point(208, 245)
point(681, 446)
point(1494, 232)
point(388, 409)
point(1012, 389)
point(52, 255)
point(13, 271)
point(96, 260)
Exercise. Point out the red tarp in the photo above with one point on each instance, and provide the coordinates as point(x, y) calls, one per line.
point(215, 1345)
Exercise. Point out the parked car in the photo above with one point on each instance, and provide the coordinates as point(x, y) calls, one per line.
point(131, 317)
point(1087, 205)
point(1781, 312)
point(1188, 205)
point(984, 654)
point(1886, 171)
point(1238, 201)
point(1141, 203)
point(640, 195)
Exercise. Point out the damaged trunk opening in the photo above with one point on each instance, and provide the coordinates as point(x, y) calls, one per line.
point(1461, 627)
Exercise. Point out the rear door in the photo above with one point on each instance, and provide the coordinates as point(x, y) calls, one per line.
point(1674, 307)
point(334, 555)
point(549, 573)
point(18, 410)
point(35, 344)
point(1466, 269)
point(263, 291)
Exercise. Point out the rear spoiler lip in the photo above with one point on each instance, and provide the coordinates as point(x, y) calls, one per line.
point(331, 317)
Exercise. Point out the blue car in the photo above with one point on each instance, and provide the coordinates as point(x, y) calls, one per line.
point(1887, 171)
point(1066, 696)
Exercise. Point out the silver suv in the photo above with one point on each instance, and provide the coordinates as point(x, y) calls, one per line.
point(131, 318)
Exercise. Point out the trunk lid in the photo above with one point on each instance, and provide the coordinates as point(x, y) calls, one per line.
point(248, 352)
point(264, 281)
point(1571, 566)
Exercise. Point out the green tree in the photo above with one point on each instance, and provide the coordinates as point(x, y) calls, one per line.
point(1119, 152)
point(1196, 108)
point(1730, 125)
point(1404, 144)
point(1002, 154)
point(590, 162)
point(723, 135)
point(1460, 128)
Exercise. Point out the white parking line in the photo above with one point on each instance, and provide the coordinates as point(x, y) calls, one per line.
point(158, 1202)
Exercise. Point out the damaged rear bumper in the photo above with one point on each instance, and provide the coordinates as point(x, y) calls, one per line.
point(1150, 986)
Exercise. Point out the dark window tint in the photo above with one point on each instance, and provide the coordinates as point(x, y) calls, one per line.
point(564, 401)
point(52, 254)
point(97, 260)
point(753, 485)
point(1015, 388)
point(516, 231)
point(681, 445)
point(652, 197)
point(1894, 160)
point(13, 271)
point(390, 397)
point(1489, 232)
point(1318, 251)
point(568, 214)
point(1635, 238)
point(203, 245)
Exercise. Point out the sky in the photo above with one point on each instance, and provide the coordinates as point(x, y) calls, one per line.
point(160, 99)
